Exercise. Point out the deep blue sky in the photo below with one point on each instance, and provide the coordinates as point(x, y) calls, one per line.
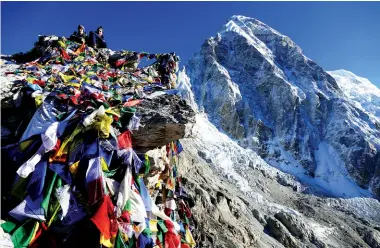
point(337, 35)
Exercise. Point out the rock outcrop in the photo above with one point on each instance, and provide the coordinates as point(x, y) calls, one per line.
point(163, 119)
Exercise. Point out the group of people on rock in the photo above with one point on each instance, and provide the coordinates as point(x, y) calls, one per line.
point(94, 39)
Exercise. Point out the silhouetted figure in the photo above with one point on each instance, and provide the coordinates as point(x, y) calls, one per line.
point(79, 36)
point(96, 39)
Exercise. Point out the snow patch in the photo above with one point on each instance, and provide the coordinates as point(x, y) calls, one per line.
point(217, 148)
point(368, 208)
point(321, 232)
point(332, 175)
point(184, 89)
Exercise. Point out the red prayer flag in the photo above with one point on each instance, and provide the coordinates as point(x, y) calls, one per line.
point(39, 82)
point(120, 62)
point(125, 140)
point(65, 55)
point(105, 219)
point(171, 239)
point(131, 103)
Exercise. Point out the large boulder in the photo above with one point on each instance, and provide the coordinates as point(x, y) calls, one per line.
point(163, 119)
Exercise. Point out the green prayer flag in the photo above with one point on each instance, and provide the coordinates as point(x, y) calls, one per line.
point(160, 236)
point(46, 200)
point(8, 227)
point(110, 173)
point(161, 225)
point(146, 164)
point(22, 236)
point(128, 205)
point(147, 232)
point(119, 242)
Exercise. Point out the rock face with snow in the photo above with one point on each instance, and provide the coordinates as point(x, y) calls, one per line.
point(257, 86)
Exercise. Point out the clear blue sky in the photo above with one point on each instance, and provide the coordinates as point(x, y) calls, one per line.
point(337, 35)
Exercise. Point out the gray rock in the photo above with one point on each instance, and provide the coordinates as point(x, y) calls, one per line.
point(279, 232)
point(163, 119)
point(296, 227)
point(372, 238)
point(259, 217)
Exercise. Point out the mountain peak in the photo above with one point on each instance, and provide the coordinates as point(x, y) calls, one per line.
point(242, 18)
point(259, 34)
point(256, 85)
point(248, 23)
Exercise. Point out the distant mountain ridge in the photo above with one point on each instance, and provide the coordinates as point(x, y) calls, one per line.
point(360, 90)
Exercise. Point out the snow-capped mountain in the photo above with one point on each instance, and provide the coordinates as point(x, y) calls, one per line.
point(257, 87)
point(361, 91)
point(233, 186)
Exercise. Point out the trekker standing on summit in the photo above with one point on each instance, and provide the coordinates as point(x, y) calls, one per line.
point(79, 36)
point(96, 39)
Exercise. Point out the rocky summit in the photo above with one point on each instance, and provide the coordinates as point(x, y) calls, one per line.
point(273, 151)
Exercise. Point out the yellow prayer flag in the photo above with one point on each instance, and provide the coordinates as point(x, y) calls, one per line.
point(153, 225)
point(189, 238)
point(104, 164)
point(35, 229)
point(25, 144)
point(73, 168)
point(105, 242)
point(64, 148)
point(113, 111)
point(61, 44)
point(38, 100)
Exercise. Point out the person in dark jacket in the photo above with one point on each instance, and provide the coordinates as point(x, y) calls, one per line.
point(96, 39)
point(79, 36)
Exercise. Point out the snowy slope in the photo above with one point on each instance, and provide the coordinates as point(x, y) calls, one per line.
point(228, 157)
point(361, 91)
point(184, 88)
point(331, 177)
